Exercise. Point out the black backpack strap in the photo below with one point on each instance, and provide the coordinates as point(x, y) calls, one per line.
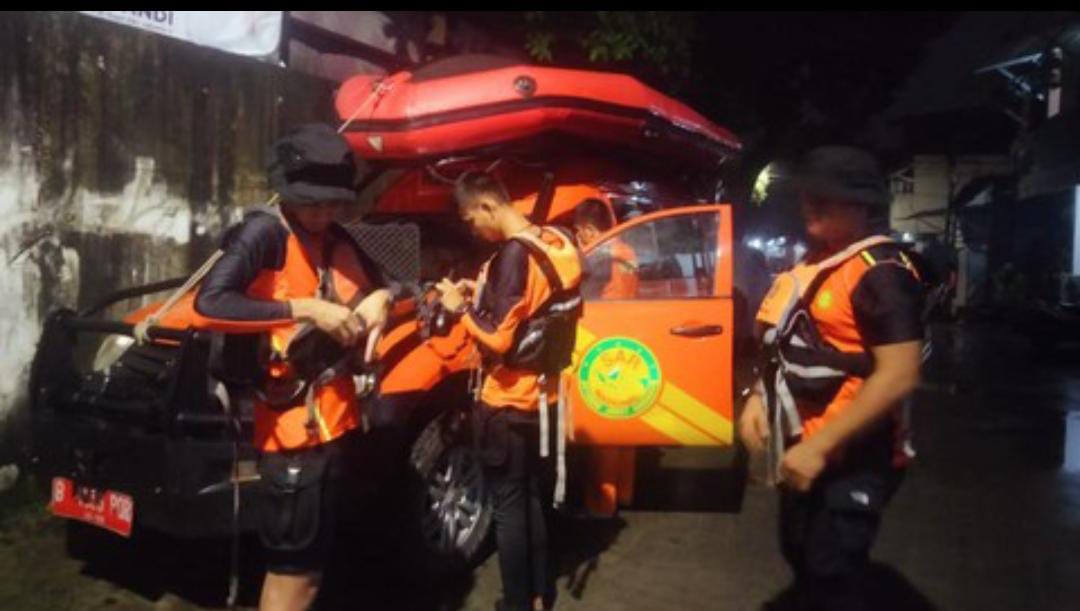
point(546, 266)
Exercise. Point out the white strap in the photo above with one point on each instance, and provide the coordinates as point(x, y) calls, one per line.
point(792, 423)
point(141, 329)
point(560, 446)
point(785, 423)
point(544, 432)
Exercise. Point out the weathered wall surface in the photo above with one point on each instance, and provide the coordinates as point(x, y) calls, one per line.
point(122, 156)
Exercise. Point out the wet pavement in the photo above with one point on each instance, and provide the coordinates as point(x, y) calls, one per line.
point(987, 519)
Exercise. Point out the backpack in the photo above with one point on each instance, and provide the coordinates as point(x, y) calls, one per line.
point(545, 342)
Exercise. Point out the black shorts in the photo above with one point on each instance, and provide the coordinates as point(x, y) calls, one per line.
point(297, 508)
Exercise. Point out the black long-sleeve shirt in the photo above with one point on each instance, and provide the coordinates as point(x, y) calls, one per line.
point(257, 244)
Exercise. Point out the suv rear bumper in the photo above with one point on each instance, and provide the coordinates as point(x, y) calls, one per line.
point(166, 478)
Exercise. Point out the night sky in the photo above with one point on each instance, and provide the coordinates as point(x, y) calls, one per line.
point(896, 83)
point(789, 80)
point(780, 80)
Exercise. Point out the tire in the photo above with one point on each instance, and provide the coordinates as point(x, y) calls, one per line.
point(453, 508)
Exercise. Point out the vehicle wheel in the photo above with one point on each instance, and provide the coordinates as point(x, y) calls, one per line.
point(455, 513)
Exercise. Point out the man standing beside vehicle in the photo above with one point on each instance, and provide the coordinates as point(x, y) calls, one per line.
point(281, 267)
point(844, 333)
point(523, 314)
point(610, 274)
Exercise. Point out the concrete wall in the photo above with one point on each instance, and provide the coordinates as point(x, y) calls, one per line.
point(123, 155)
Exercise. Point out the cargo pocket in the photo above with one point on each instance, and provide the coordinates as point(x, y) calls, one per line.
point(854, 511)
point(292, 486)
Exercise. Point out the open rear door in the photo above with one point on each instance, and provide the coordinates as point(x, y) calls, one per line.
point(653, 362)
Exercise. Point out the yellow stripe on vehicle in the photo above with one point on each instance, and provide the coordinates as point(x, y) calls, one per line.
point(671, 425)
point(689, 408)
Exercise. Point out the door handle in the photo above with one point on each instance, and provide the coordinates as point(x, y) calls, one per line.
point(697, 330)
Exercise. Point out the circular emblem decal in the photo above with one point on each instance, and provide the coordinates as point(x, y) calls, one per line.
point(619, 378)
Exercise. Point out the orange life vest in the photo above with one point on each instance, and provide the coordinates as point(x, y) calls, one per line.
point(329, 408)
point(818, 358)
point(554, 275)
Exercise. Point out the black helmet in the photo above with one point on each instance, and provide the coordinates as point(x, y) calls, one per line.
point(844, 174)
point(312, 164)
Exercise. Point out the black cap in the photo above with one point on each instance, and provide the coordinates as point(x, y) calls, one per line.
point(312, 164)
point(845, 174)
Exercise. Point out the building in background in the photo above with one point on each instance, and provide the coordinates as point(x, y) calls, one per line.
point(994, 112)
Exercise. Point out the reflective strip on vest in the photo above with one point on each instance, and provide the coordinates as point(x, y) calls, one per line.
point(813, 371)
point(569, 305)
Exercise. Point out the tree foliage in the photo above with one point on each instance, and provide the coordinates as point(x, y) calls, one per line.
point(647, 43)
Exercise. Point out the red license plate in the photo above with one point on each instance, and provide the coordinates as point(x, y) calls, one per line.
point(109, 510)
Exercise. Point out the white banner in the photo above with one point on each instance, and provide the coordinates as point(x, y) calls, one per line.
point(251, 33)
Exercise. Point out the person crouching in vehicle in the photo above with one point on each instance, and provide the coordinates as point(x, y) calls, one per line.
point(523, 314)
point(610, 274)
point(844, 338)
point(282, 266)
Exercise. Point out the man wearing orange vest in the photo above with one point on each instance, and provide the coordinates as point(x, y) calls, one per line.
point(609, 481)
point(283, 267)
point(523, 314)
point(843, 333)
